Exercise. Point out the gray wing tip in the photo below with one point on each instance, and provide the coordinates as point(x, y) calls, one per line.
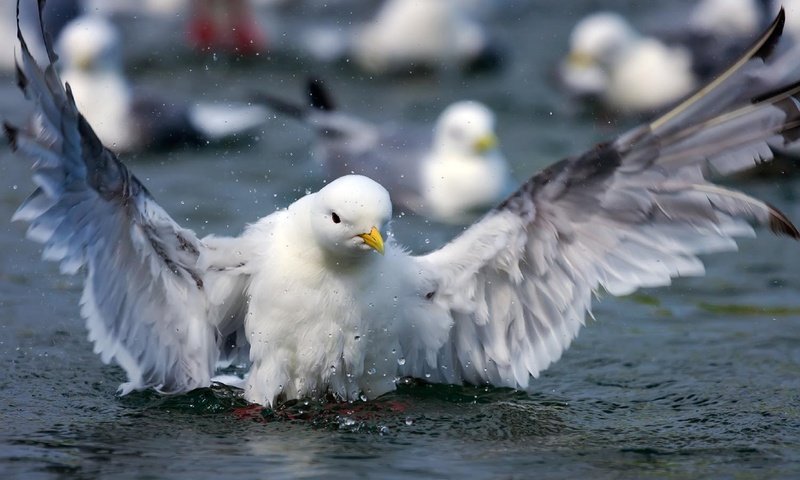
point(774, 32)
point(11, 133)
point(780, 224)
point(22, 80)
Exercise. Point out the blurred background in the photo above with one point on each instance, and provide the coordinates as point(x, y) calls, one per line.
point(700, 378)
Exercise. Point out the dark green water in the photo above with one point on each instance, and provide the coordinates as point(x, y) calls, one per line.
point(698, 380)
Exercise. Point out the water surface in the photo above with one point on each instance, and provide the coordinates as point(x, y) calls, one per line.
point(700, 379)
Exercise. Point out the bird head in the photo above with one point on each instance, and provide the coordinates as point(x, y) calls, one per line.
point(90, 43)
point(466, 129)
point(348, 215)
point(599, 39)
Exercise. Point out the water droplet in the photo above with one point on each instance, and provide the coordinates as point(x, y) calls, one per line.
point(357, 337)
point(409, 421)
point(363, 397)
point(401, 361)
point(427, 375)
point(333, 369)
point(384, 430)
point(371, 371)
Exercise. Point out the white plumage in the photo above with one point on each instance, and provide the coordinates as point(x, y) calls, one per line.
point(323, 314)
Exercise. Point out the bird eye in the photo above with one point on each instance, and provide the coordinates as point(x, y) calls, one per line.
point(335, 218)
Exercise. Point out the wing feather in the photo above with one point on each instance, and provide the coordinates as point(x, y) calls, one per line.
point(631, 213)
point(144, 299)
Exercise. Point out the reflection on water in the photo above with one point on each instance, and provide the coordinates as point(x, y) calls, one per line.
point(423, 428)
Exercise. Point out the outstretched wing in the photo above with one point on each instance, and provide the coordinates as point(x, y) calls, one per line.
point(143, 300)
point(631, 213)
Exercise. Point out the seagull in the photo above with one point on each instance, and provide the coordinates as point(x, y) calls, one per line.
point(629, 73)
point(327, 307)
point(411, 33)
point(451, 175)
point(632, 73)
point(128, 121)
point(418, 36)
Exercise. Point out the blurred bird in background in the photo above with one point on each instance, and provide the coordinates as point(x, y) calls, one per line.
point(450, 172)
point(631, 73)
point(411, 35)
point(126, 120)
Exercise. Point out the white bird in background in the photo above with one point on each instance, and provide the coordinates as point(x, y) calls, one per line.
point(731, 18)
point(324, 313)
point(90, 48)
point(408, 33)
point(8, 30)
point(410, 36)
point(450, 173)
point(629, 73)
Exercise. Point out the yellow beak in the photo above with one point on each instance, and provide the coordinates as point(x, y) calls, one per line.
point(84, 62)
point(486, 143)
point(580, 60)
point(373, 239)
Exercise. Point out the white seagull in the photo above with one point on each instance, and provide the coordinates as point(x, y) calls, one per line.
point(126, 120)
point(634, 73)
point(324, 313)
point(628, 72)
point(408, 34)
point(451, 173)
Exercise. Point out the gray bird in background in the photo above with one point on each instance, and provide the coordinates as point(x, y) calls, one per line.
point(451, 172)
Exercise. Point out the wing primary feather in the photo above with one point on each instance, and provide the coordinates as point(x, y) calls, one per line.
point(631, 213)
point(143, 299)
point(779, 223)
point(762, 48)
point(772, 98)
point(11, 133)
